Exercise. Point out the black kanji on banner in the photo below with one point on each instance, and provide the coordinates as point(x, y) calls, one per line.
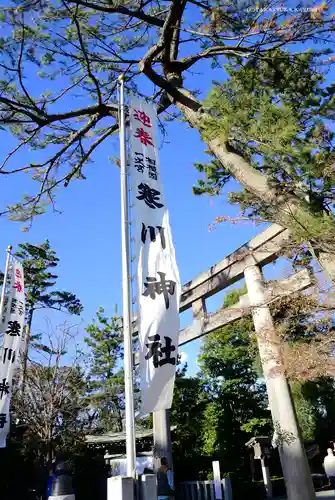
point(17, 307)
point(163, 287)
point(152, 234)
point(4, 388)
point(149, 195)
point(152, 169)
point(13, 328)
point(8, 354)
point(159, 354)
point(5, 306)
point(139, 162)
point(3, 420)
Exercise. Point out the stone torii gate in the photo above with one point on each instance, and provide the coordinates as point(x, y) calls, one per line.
point(247, 262)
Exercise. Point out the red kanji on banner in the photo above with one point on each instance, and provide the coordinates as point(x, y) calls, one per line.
point(18, 273)
point(142, 117)
point(18, 286)
point(143, 136)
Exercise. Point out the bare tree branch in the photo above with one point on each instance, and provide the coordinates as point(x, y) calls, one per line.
point(139, 14)
point(84, 51)
point(53, 406)
point(87, 155)
point(86, 44)
point(187, 62)
point(19, 67)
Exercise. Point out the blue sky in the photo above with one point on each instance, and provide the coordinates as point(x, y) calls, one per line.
point(86, 236)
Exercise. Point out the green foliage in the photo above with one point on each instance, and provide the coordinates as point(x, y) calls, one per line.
point(106, 394)
point(220, 409)
point(257, 426)
point(187, 413)
point(232, 298)
point(319, 394)
point(232, 351)
point(273, 111)
point(236, 397)
point(276, 113)
point(38, 260)
point(305, 411)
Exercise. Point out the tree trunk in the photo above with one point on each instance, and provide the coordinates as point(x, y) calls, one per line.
point(50, 455)
point(290, 211)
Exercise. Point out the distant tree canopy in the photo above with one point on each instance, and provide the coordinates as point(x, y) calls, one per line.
point(106, 385)
point(226, 403)
point(78, 48)
point(215, 412)
point(237, 398)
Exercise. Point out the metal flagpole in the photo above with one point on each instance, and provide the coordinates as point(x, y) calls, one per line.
point(3, 291)
point(126, 293)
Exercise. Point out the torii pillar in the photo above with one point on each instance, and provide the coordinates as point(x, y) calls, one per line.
point(162, 438)
point(297, 475)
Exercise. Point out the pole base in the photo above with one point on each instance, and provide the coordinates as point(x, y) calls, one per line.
point(120, 488)
point(149, 487)
point(62, 497)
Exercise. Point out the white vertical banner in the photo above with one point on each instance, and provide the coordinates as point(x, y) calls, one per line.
point(158, 282)
point(7, 285)
point(14, 314)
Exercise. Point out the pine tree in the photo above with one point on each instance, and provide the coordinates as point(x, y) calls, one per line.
point(70, 44)
point(105, 340)
point(38, 260)
point(277, 113)
point(39, 282)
